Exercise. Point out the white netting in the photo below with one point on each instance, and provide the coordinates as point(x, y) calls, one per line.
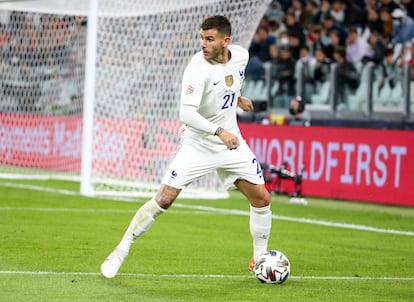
point(142, 50)
point(41, 90)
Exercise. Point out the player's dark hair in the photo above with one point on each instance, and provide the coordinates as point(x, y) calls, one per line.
point(221, 23)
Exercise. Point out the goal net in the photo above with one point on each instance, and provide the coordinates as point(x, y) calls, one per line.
point(142, 48)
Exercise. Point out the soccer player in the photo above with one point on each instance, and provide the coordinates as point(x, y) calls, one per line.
point(210, 140)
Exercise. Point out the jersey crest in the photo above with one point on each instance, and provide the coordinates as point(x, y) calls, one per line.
point(229, 80)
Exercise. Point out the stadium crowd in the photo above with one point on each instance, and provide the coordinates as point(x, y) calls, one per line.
point(41, 62)
point(313, 34)
point(297, 41)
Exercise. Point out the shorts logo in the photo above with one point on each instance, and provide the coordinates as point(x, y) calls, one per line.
point(173, 174)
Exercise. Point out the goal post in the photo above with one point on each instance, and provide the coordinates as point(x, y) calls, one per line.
point(97, 89)
point(86, 187)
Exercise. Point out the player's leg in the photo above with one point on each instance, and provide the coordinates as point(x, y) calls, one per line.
point(260, 216)
point(242, 170)
point(173, 182)
point(146, 214)
point(140, 223)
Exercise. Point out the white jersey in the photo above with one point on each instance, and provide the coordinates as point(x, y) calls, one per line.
point(213, 88)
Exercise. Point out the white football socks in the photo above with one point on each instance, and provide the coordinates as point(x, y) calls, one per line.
point(140, 223)
point(260, 225)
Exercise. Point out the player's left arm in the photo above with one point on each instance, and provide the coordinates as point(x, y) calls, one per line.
point(245, 104)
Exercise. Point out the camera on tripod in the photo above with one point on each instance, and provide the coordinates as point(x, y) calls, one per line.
point(280, 180)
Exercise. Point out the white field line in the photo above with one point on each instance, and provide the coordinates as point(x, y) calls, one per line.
point(306, 220)
point(37, 273)
point(37, 188)
point(81, 210)
point(207, 209)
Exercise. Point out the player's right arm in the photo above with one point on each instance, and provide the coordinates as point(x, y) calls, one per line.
point(190, 117)
point(193, 83)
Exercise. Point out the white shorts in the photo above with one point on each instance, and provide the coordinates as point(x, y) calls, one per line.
point(192, 162)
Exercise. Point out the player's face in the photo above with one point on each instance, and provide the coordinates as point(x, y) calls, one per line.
point(214, 45)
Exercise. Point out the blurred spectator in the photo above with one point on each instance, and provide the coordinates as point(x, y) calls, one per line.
point(294, 28)
point(390, 72)
point(297, 9)
point(284, 4)
point(408, 6)
point(374, 22)
point(403, 31)
point(325, 6)
point(295, 44)
point(283, 72)
point(275, 28)
point(335, 41)
point(407, 57)
point(322, 67)
point(264, 21)
point(315, 38)
point(337, 11)
point(296, 106)
point(255, 70)
point(305, 56)
point(355, 13)
point(306, 64)
point(283, 39)
point(310, 14)
point(357, 48)
point(389, 5)
point(347, 13)
point(377, 45)
point(348, 78)
point(330, 24)
point(297, 111)
point(387, 24)
point(372, 4)
point(263, 45)
point(275, 12)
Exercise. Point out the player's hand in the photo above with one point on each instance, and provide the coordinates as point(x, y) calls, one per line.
point(229, 139)
point(245, 104)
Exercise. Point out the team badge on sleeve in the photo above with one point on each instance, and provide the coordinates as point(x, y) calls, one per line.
point(190, 90)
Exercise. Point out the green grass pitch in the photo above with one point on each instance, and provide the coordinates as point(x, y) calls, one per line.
point(52, 245)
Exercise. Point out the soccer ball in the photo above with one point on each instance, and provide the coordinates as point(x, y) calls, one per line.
point(272, 267)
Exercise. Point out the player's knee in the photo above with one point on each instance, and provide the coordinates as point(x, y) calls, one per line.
point(166, 196)
point(261, 200)
point(265, 200)
point(164, 201)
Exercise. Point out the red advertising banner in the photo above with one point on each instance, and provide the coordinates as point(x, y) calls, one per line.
point(121, 147)
point(354, 164)
point(45, 142)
